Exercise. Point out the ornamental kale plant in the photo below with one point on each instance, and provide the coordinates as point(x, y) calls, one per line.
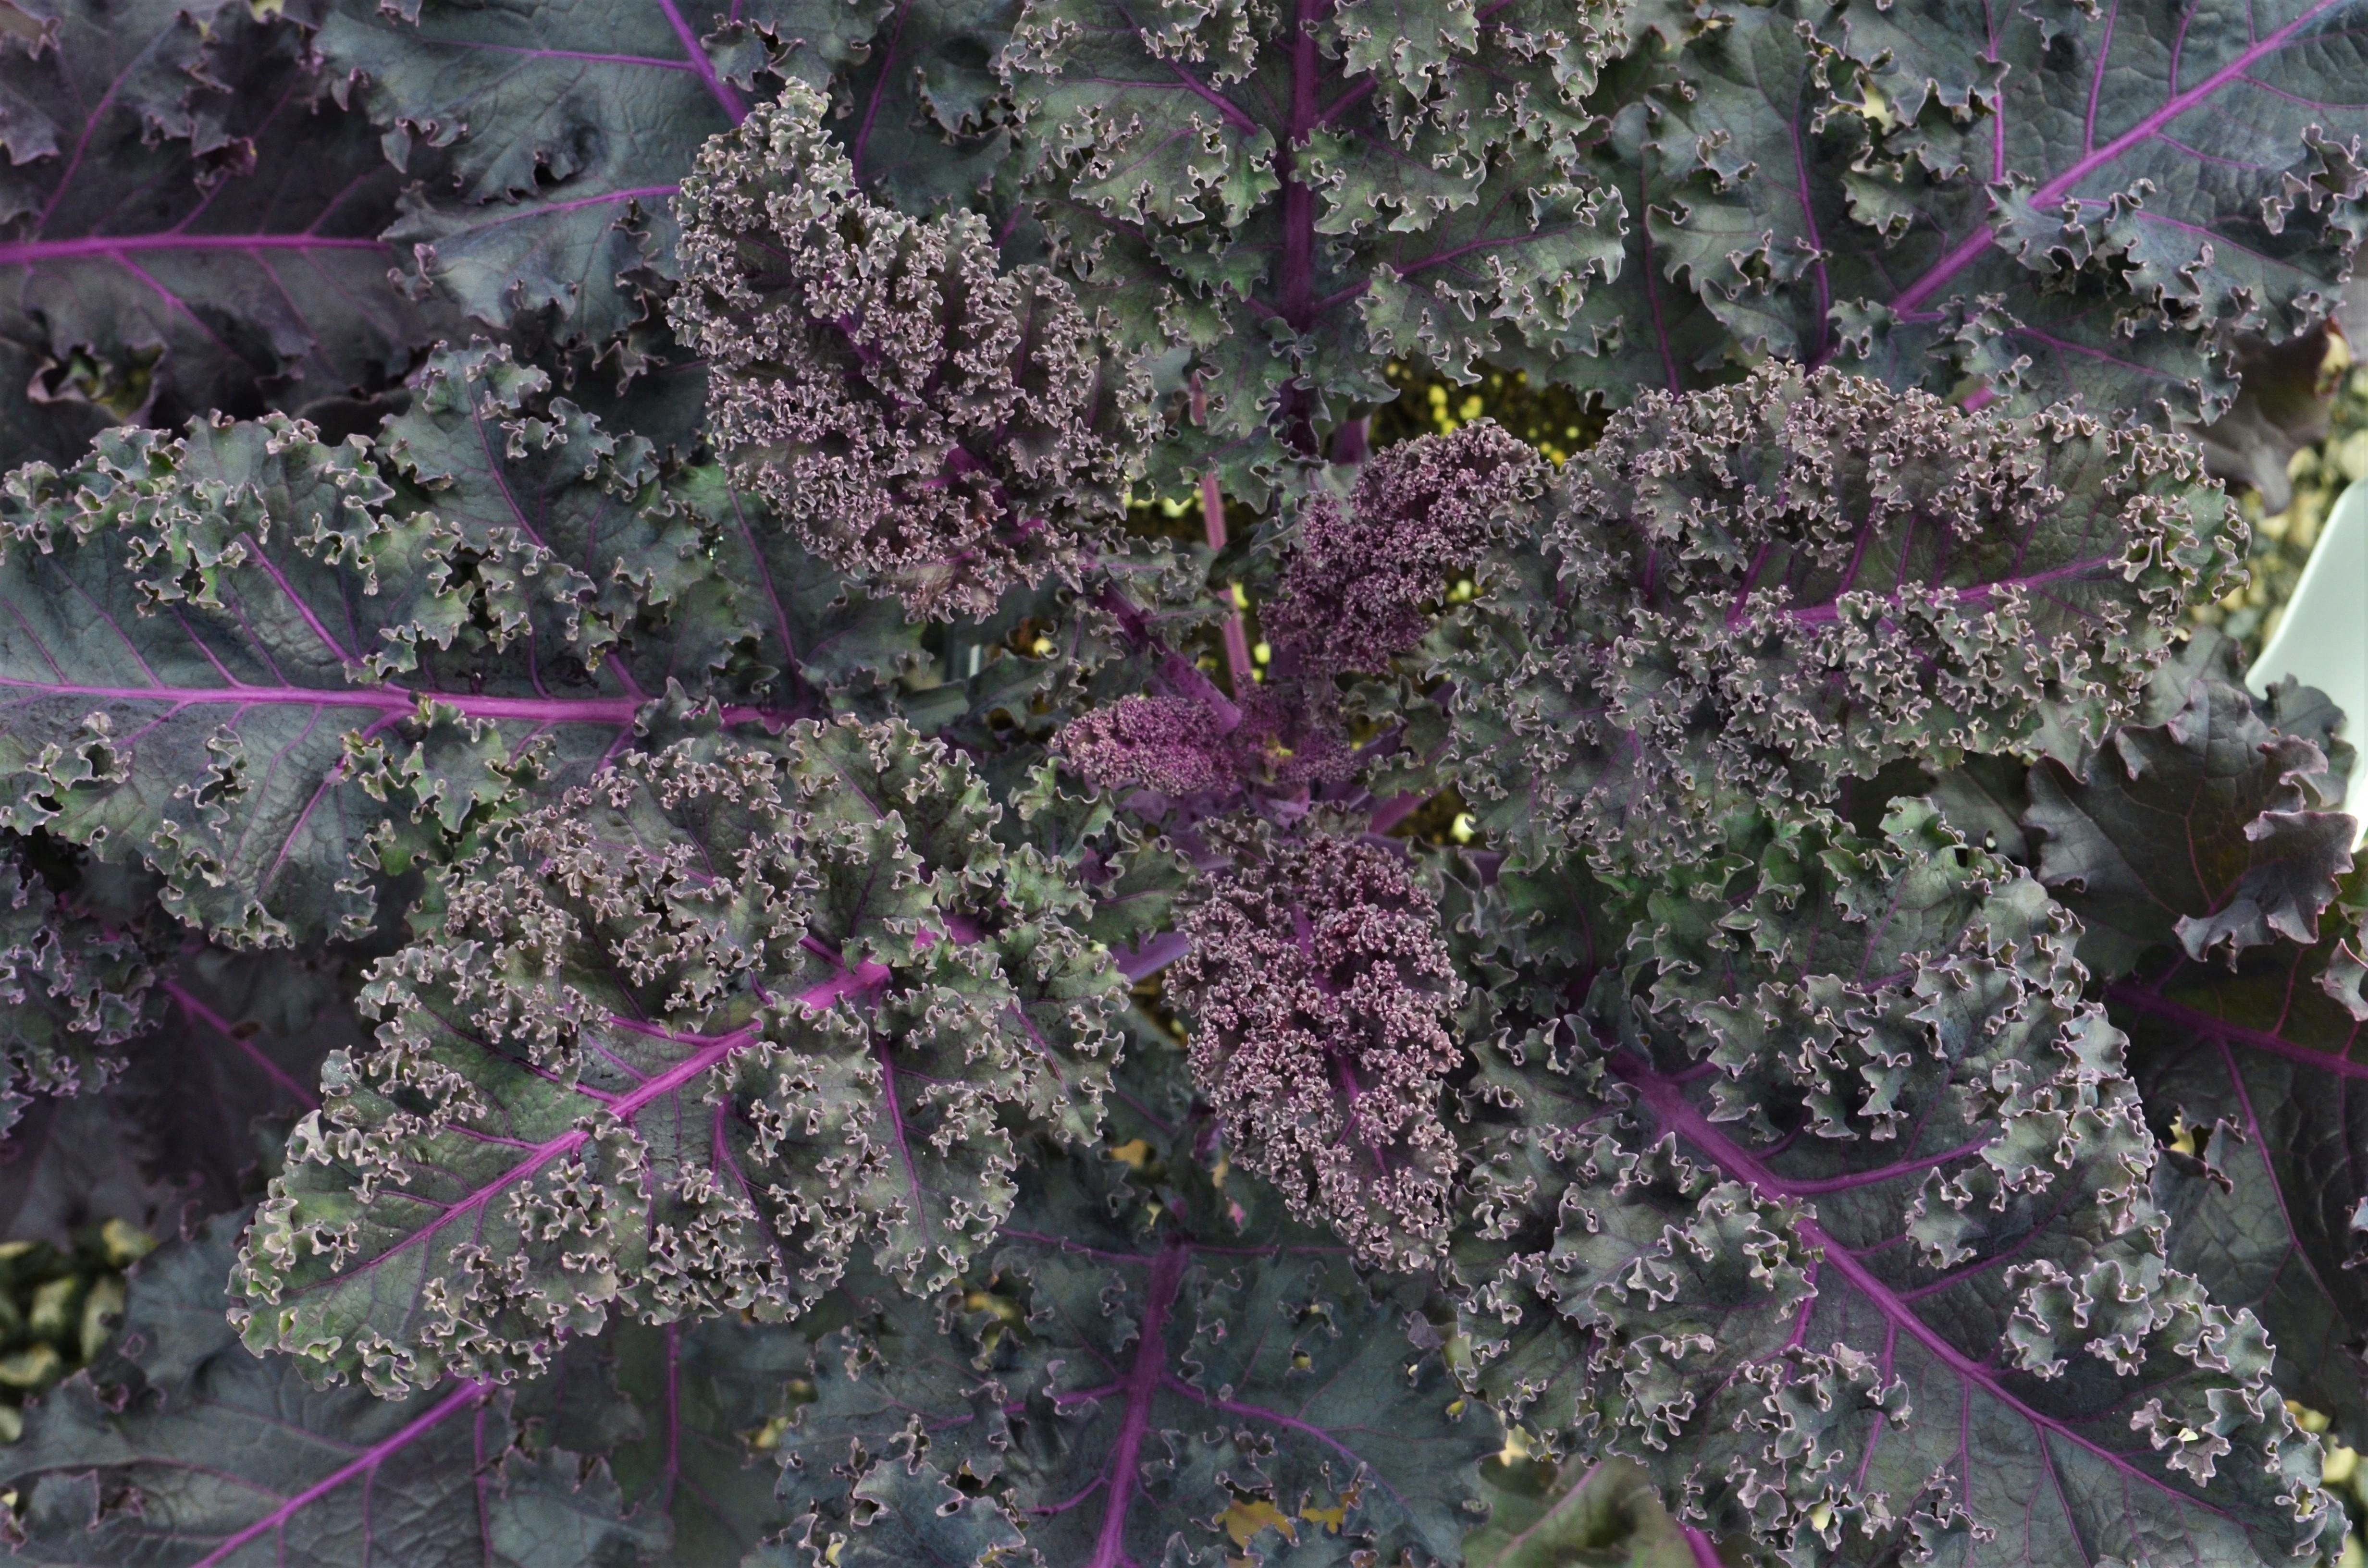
point(746, 821)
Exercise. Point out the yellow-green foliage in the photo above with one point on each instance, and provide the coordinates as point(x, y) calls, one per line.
point(57, 1309)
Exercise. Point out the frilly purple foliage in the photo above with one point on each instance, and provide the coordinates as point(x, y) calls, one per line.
point(1741, 598)
point(906, 1037)
point(925, 419)
point(1320, 991)
point(1355, 590)
point(1179, 747)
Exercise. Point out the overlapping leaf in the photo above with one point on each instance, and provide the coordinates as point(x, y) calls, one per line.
point(2199, 831)
point(1188, 1387)
point(1742, 597)
point(269, 664)
point(1290, 204)
point(185, 225)
point(1857, 1247)
point(2042, 201)
point(72, 993)
point(129, 1460)
point(690, 1043)
point(2243, 1010)
point(563, 131)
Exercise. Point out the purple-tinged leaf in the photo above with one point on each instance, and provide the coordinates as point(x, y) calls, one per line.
point(940, 427)
point(2197, 832)
point(2106, 203)
point(1741, 598)
point(564, 131)
point(1857, 1245)
point(187, 225)
point(72, 1164)
point(248, 657)
point(1318, 993)
point(182, 1450)
point(235, 1062)
point(688, 1043)
point(1137, 1391)
point(2256, 1070)
point(72, 993)
point(688, 1417)
point(1290, 198)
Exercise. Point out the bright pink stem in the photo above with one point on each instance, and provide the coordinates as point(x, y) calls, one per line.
point(368, 1460)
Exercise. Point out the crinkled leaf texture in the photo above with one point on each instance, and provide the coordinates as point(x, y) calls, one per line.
point(1319, 993)
point(2049, 200)
point(1742, 597)
point(187, 224)
point(1170, 1384)
point(1293, 195)
point(690, 1043)
point(72, 993)
point(181, 1448)
point(281, 669)
point(551, 140)
point(2227, 927)
point(1845, 1219)
point(922, 418)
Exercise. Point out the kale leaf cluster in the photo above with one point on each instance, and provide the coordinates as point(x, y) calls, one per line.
point(749, 819)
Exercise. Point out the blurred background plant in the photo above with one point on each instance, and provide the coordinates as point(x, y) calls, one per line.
point(2282, 538)
point(58, 1306)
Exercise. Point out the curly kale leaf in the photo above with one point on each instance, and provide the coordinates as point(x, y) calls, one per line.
point(555, 138)
point(920, 417)
point(282, 670)
point(1290, 194)
point(1360, 579)
point(2199, 831)
point(181, 1448)
point(1319, 995)
point(1742, 597)
point(1850, 1225)
point(187, 224)
point(2228, 931)
point(72, 993)
point(690, 1043)
point(1185, 1388)
point(2106, 202)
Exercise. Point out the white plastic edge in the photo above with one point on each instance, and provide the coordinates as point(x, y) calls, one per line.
point(2322, 641)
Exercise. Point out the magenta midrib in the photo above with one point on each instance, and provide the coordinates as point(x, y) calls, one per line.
point(369, 1460)
point(1143, 1380)
point(197, 1009)
point(1680, 1116)
point(696, 54)
point(26, 251)
point(384, 699)
point(1831, 611)
point(624, 1107)
point(2145, 1001)
point(1974, 245)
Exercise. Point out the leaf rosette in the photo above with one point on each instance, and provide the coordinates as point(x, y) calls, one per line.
point(687, 1044)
